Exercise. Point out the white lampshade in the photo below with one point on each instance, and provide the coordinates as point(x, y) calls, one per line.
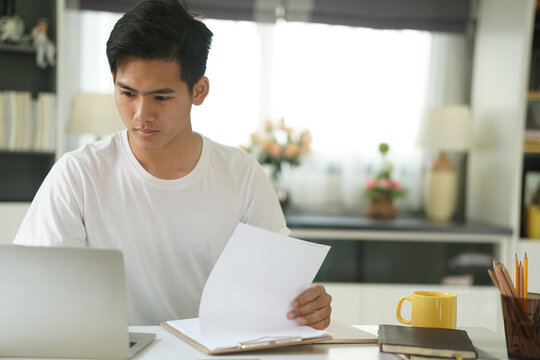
point(94, 114)
point(446, 128)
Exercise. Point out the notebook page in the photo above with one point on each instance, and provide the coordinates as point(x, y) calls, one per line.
point(191, 328)
point(249, 291)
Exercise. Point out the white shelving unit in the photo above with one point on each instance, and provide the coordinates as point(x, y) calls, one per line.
point(12, 213)
point(498, 99)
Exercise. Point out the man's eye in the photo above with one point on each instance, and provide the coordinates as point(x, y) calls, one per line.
point(162, 98)
point(127, 93)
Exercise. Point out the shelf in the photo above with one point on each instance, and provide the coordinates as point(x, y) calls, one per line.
point(532, 155)
point(45, 154)
point(14, 48)
point(400, 225)
point(22, 174)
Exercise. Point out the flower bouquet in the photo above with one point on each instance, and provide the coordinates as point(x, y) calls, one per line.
point(382, 189)
point(277, 145)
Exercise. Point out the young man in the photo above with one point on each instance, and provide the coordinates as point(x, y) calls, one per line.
point(167, 197)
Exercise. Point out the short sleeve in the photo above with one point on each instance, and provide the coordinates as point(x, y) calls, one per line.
point(55, 217)
point(263, 209)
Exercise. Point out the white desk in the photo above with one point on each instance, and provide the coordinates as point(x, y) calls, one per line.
point(169, 346)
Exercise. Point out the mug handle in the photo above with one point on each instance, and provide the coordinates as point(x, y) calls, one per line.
point(398, 310)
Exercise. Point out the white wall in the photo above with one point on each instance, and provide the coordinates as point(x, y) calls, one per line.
point(11, 215)
point(532, 248)
point(376, 303)
point(498, 96)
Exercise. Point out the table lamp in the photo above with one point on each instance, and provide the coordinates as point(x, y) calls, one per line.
point(94, 114)
point(446, 128)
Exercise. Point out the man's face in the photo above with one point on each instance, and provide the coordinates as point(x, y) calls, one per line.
point(154, 103)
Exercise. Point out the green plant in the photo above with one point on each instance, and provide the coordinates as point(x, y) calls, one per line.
point(383, 184)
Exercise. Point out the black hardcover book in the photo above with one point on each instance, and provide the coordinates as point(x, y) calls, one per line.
point(445, 343)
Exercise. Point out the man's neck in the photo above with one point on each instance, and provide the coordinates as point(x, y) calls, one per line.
point(174, 161)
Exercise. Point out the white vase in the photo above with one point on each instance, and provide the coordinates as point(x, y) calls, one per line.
point(440, 192)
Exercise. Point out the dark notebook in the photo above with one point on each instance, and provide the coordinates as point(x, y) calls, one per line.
point(425, 341)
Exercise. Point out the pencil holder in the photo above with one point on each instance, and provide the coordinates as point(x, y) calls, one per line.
point(522, 326)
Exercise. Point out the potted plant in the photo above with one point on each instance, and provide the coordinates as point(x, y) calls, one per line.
point(382, 189)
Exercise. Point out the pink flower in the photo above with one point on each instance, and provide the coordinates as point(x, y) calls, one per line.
point(370, 184)
point(395, 185)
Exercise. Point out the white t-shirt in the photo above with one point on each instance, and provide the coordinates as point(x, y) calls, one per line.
point(171, 232)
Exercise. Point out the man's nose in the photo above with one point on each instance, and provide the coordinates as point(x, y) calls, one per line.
point(143, 111)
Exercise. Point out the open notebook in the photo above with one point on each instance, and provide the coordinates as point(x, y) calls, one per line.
point(248, 294)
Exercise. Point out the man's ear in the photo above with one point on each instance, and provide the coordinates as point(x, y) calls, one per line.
point(200, 90)
point(113, 78)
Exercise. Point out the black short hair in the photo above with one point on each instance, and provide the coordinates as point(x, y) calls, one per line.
point(162, 29)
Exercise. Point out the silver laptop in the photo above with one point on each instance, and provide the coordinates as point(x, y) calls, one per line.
point(64, 302)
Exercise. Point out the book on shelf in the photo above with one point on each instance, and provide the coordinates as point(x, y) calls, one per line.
point(428, 342)
point(27, 124)
point(12, 122)
point(2, 120)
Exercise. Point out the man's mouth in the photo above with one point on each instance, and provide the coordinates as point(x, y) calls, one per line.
point(145, 131)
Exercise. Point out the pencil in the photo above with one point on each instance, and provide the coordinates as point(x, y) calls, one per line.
point(494, 278)
point(505, 287)
point(520, 278)
point(506, 276)
point(516, 274)
point(525, 276)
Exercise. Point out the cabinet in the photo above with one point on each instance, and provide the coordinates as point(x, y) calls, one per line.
point(407, 250)
point(26, 162)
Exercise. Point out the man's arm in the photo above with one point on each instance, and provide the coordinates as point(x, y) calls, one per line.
point(312, 308)
point(55, 216)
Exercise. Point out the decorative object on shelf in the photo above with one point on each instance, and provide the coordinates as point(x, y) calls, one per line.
point(533, 216)
point(11, 26)
point(446, 128)
point(94, 114)
point(531, 142)
point(276, 147)
point(382, 189)
point(45, 49)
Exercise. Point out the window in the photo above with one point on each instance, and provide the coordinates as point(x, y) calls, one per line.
point(351, 87)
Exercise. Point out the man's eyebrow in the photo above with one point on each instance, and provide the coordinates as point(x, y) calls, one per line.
point(157, 91)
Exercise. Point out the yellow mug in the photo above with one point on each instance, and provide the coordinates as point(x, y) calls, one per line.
point(430, 309)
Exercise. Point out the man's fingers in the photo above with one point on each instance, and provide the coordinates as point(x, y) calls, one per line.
point(321, 325)
point(312, 308)
point(315, 316)
point(309, 295)
point(317, 304)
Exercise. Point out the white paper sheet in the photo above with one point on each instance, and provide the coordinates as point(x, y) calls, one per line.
point(250, 289)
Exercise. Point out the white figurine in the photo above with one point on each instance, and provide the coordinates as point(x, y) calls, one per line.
point(11, 28)
point(45, 49)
